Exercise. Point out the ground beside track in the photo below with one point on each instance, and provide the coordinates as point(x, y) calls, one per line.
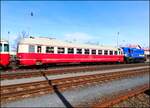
point(39, 72)
point(26, 80)
point(82, 95)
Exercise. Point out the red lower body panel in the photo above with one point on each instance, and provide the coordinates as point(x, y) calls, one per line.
point(34, 58)
point(4, 59)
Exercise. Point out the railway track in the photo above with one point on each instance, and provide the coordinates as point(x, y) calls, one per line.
point(141, 100)
point(122, 96)
point(19, 91)
point(37, 73)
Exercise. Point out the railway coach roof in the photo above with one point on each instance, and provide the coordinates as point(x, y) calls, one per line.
point(55, 42)
point(3, 41)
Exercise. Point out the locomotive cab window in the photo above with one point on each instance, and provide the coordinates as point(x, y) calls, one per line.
point(70, 51)
point(129, 51)
point(93, 51)
point(49, 49)
point(105, 52)
point(86, 51)
point(6, 47)
point(100, 52)
point(111, 52)
point(61, 50)
point(79, 51)
point(0, 47)
point(31, 48)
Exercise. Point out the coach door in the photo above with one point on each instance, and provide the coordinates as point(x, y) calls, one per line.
point(39, 49)
point(39, 56)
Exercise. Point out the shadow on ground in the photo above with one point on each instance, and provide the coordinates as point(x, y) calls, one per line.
point(58, 93)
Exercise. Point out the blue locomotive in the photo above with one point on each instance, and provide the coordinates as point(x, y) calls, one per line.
point(132, 55)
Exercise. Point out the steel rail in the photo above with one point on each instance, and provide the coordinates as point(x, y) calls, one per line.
point(34, 73)
point(122, 96)
point(13, 92)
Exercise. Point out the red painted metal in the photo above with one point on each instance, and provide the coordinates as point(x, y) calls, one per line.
point(33, 58)
point(4, 59)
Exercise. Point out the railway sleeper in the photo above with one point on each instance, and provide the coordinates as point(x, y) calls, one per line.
point(7, 96)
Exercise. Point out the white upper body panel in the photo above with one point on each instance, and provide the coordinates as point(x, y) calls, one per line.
point(3, 42)
point(58, 43)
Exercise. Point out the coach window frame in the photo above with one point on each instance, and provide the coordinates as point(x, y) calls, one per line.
point(110, 52)
point(39, 48)
point(50, 49)
point(115, 52)
point(59, 50)
point(105, 52)
point(6, 47)
point(72, 50)
point(100, 52)
point(31, 48)
point(93, 53)
point(79, 51)
point(119, 51)
point(87, 51)
point(1, 47)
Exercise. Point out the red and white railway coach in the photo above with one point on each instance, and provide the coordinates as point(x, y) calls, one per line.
point(4, 53)
point(35, 51)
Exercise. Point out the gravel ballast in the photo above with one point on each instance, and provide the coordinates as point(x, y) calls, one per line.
point(51, 77)
point(80, 95)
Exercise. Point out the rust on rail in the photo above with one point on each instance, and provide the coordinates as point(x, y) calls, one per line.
point(33, 73)
point(123, 96)
point(19, 91)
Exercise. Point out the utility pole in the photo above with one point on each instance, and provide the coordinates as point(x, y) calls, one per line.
point(117, 38)
point(30, 22)
point(8, 39)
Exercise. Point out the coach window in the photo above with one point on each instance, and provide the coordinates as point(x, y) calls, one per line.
point(111, 52)
point(79, 51)
point(93, 51)
point(86, 51)
point(115, 52)
point(100, 52)
point(61, 50)
point(39, 49)
point(105, 52)
point(6, 47)
point(119, 52)
point(49, 49)
point(0, 47)
point(31, 48)
point(70, 51)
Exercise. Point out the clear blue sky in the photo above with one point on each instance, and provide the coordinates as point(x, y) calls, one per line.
point(94, 21)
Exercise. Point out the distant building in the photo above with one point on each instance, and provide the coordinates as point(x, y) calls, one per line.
point(147, 54)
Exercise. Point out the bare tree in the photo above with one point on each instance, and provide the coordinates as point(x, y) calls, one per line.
point(24, 34)
point(20, 36)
